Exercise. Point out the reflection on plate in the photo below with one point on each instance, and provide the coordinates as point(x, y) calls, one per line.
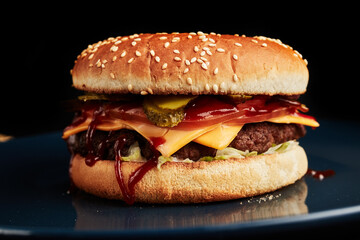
point(99, 214)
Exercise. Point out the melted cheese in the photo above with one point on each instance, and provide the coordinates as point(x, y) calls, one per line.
point(217, 136)
point(295, 119)
point(220, 137)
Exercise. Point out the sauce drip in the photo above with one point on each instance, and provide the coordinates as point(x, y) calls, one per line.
point(93, 156)
point(320, 174)
point(157, 141)
point(129, 191)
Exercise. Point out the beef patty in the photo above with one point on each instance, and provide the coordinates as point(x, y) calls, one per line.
point(253, 137)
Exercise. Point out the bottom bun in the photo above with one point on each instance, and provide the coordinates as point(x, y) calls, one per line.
point(179, 182)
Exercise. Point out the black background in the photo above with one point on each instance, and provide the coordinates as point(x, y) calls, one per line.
point(40, 44)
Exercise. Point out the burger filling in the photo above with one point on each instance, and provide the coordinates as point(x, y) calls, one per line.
point(253, 137)
point(183, 127)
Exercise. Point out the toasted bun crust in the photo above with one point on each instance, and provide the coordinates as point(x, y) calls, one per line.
point(189, 63)
point(195, 182)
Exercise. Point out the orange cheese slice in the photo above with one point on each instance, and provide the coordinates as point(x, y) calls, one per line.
point(295, 119)
point(220, 137)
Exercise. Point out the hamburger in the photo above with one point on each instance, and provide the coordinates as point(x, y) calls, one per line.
point(187, 117)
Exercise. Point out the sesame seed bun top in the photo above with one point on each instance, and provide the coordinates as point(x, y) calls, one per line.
point(190, 63)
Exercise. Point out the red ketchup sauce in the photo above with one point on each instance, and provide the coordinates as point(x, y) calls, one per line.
point(206, 107)
point(320, 174)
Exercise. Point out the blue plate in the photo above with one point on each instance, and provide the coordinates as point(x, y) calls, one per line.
point(35, 201)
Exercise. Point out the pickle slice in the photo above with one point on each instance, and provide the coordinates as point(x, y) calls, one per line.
point(240, 98)
point(172, 102)
point(166, 111)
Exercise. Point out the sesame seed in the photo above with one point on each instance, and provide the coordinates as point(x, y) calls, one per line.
point(211, 40)
point(202, 37)
point(186, 70)
point(222, 86)
point(306, 62)
point(196, 49)
point(235, 57)
point(212, 45)
point(102, 66)
point(114, 48)
point(130, 87)
point(264, 45)
point(90, 65)
point(209, 52)
point(166, 44)
point(137, 39)
point(187, 62)
point(216, 70)
point(133, 43)
point(298, 53)
point(207, 87)
point(238, 44)
point(98, 63)
point(137, 53)
point(202, 53)
point(200, 33)
point(177, 59)
point(200, 61)
point(114, 58)
point(117, 42)
point(112, 75)
point(215, 88)
point(206, 48)
point(91, 56)
point(163, 38)
point(235, 78)
point(192, 33)
point(254, 41)
point(164, 66)
point(175, 39)
point(193, 60)
point(144, 93)
point(123, 54)
point(189, 37)
point(204, 66)
point(104, 61)
point(189, 81)
point(150, 90)
point(124, 39)
point(204, 59)
point(157, 59)
point(176, 51)
point(220, 50)
point(131, 60)
point(152, 53)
